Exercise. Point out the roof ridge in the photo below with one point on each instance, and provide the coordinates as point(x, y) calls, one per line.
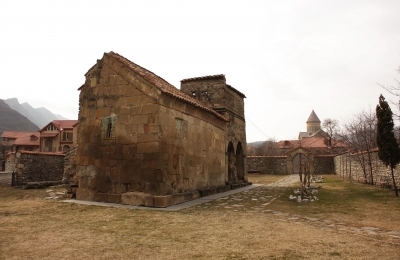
point(163, 85)
point(204, 77)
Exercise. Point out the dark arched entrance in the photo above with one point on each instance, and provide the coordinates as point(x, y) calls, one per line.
point(232, 172)
point(239, 162)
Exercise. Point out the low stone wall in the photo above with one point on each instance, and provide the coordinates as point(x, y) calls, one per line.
point(348, 166)
point(267, 164)
point(10, 162)
point(324, 164)
point(39, 167)
point(70, 173)
point(5, 178)
point(278, 164)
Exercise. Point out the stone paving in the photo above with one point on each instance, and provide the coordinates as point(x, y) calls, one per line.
point(258, 199)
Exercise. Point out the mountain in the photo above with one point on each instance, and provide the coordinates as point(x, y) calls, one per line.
point(40, 116)
point(11, 120)
point(255, 144)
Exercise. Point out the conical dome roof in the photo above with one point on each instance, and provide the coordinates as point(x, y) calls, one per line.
point(313, 118)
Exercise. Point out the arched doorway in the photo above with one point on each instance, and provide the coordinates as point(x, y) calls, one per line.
point(232, 172)
point(239, 162)
point(48, 144)
point(300, 161)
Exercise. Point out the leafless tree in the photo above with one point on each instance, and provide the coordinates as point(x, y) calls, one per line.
point(360, 134)
point(331, 127)
point(266, 148)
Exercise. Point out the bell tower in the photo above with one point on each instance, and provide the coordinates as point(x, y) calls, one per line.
point(313, 123)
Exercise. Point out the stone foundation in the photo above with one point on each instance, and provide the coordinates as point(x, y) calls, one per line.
point(147, 200)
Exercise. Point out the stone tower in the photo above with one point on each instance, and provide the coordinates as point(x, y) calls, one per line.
point(313, 123)
point(226, 100)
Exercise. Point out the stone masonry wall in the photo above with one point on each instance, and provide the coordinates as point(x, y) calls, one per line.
point(214, 92)
point(132, 138)
point(347, 166)
point(39, 167)
point(267, 164)
point(278, 164)
point(324, 164)
point(69, 176)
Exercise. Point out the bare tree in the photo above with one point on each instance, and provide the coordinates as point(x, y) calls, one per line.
point(331, 127)
point(266, 148)
point(360, 134)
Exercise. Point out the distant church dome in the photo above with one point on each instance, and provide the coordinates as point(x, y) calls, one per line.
point(313, 123)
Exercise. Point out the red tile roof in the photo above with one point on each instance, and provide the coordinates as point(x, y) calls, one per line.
point(42, 153)
point(22, 138)
point(61, 124)
point(308, 142)
point(162, 84)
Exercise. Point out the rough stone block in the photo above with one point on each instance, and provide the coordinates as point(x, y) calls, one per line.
point(208, 191)
point(100, 197)
point(152, 147)
point(179, 198)
point(223, 188)
point(84, 194)
point(137, 199)
point(163, 201)
point(235, 186)
point(114, 198)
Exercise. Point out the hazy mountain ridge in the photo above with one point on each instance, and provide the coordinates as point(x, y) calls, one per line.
point(40, 116)
point(12, 120)
point(255, 144)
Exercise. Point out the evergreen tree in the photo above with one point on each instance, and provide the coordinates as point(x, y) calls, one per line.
point(389, 151)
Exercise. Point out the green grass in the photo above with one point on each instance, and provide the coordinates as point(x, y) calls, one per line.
point(353, 202)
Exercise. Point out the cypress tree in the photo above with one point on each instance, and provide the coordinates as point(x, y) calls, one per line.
point(389, 151)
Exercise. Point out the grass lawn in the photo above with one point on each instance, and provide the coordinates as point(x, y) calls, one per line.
point(34, 228)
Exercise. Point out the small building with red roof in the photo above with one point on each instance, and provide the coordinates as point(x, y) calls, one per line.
point(58, 136)
point(314, 145)
point(13, 141)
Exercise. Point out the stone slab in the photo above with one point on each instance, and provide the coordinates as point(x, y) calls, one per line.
point(176, 207)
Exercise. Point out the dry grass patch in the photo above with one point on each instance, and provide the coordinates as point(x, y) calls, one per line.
point(34, 228)
point(354, 203)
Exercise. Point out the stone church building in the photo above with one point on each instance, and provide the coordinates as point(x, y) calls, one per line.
point(311, 150)
point(141, 141)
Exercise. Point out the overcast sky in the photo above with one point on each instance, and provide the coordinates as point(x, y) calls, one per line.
point(287, 57)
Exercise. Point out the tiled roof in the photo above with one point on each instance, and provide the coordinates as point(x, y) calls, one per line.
point(221, 76)
point(22, 138)
point(16, 134)
point(265, 156)
point(304, 134)
point(163, 85)
point(61, 124)
point(43, 153)
point(237, 91)
point(26, 140)
point(313, 118)
point(307, 142)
